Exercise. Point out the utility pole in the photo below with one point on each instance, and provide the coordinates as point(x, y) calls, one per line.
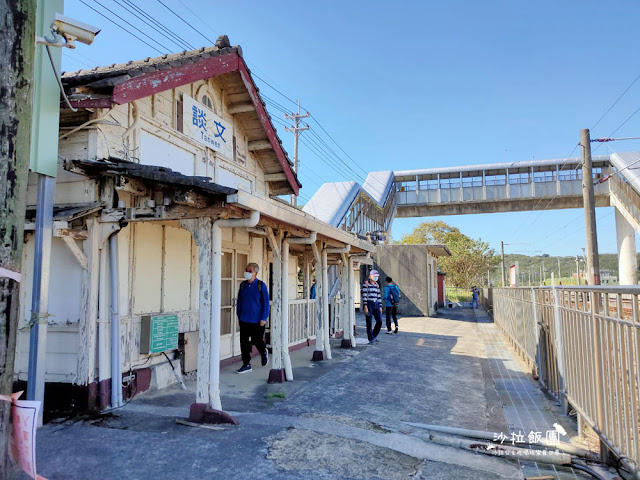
point(593, 271)
point(577, 270)
point(504, 279)
point(17, 36)
point(541, 273)
point(296, 129)
point(559, 276)
point(593, 261)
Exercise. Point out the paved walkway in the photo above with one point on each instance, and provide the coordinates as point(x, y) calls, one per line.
point(339, 419)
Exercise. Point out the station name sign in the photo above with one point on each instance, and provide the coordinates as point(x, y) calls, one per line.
point(207, 128)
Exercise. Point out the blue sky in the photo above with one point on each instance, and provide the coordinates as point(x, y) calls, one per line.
point(424, 84)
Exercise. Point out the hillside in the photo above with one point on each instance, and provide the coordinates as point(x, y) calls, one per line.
point(567, 265)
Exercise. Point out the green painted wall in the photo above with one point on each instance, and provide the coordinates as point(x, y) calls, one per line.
point(46, 95)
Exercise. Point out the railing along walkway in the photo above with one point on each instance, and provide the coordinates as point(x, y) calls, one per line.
point(584, 343)
point(302, 320)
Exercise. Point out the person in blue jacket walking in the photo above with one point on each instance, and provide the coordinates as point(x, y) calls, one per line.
point(474, 297)
point(253, 311)
point(391, 300)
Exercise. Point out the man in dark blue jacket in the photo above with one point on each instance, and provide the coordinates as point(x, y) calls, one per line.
point(253, 311)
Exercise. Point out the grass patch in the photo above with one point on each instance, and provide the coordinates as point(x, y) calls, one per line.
point(455, 294)
point(271, 396)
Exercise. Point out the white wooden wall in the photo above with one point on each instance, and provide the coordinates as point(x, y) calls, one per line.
point(158, 261)
point(64, 307)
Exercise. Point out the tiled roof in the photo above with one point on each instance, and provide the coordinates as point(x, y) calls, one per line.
point(120, 72)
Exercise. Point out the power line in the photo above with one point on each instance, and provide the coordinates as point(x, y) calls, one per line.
point(132, 26)
point(275, 89)
point(596, 124)
point(616, 102)
point(283, 109)
point(338, 145)
point(78, 61)
point(327, 161)
point(157, 26)
point(120, 26)
point(578, 230)
point(358, 176)
point(619, 127)
point(211, 42)
point(339, 163)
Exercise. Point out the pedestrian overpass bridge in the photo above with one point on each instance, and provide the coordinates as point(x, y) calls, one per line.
point(369, 209)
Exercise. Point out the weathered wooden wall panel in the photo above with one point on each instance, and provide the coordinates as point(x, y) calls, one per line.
point(148, 268)
point(64, 306)
point(177, 270)
point(124, 265)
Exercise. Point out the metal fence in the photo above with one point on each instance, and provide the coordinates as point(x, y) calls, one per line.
point(584, 343)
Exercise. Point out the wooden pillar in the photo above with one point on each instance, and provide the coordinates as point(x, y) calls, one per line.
point(306, 289)
point(276, 374)
point(319, 353)
point(89, 306)
point(200, 228)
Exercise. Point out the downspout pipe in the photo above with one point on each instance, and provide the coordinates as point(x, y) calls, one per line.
point(103, 308)
point(325, 297)
point(116, 362)
point(318, 353)
point(325, 305)
point(216, 303)
point(288, 370)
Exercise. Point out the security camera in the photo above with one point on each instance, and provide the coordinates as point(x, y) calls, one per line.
point(73, 30)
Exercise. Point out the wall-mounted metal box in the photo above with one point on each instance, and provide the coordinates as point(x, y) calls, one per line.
point(188, 344)
point(158, 333)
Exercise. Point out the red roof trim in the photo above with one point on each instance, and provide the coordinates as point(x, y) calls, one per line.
point(267, 125)
point(159, 81)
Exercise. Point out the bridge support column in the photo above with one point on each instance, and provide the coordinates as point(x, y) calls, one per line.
point(627, 260)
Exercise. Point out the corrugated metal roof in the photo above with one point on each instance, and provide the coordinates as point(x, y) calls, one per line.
point(630, 161)
point(332, 201)
point(378, 185)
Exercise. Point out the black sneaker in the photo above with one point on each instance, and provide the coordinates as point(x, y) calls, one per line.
point(389, 332)
point(265, 359)
point(396, 330)
point(244, 369)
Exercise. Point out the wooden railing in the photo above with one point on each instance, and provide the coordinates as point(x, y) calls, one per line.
point(302, 321)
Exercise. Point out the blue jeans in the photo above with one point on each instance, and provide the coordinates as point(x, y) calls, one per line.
point(374, 310)
point(474, 302)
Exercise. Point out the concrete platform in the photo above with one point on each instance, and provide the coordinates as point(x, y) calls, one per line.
point(340, 418)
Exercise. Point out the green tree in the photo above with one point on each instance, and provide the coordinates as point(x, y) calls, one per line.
point(470, 258)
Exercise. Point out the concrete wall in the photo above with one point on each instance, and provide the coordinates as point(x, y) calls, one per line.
point(408, 265)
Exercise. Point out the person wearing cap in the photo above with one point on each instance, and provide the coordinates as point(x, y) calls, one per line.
point(372, 301)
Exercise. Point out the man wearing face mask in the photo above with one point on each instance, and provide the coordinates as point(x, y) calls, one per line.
point(372, 301)
point(253, 311)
